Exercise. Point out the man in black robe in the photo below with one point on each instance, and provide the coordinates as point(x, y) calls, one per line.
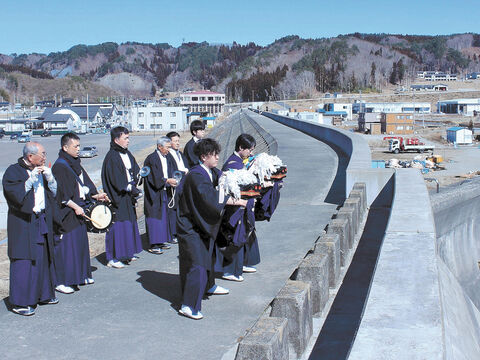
point(74, 190)
point(158, 186)
point(234, 259)
point(197, 129)
point(29, 188)
point(119, 179)
point(182, 163)
point(199, 215)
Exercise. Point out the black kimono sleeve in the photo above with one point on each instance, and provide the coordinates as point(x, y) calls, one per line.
point(155, 179)
point(14, 190)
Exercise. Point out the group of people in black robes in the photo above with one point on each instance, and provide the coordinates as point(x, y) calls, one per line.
point(47, 235)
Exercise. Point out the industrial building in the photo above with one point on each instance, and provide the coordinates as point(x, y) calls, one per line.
point(396, 124)
point(203, 101)
point(370, 123)
point(468, 107)
point(429, 87)
point(393, 107)
point(340, 108)
point(157, 118)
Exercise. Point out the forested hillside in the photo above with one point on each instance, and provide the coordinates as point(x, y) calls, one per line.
point(289, 67)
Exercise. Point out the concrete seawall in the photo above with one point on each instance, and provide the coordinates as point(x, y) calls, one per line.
point(457, 223)
point(402, 316)
point(399, 313)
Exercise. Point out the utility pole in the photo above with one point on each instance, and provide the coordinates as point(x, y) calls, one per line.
point(87, 114)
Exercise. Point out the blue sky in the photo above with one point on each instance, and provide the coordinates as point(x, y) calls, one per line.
point(43, 26)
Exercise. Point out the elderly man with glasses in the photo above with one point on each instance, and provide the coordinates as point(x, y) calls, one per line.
point(29, 188)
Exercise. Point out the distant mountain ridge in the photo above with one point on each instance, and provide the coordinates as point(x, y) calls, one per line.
point(289, 67)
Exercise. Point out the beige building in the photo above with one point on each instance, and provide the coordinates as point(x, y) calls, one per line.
point(205, 101)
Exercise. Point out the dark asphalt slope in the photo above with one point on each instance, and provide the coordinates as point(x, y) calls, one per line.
point(131, 313)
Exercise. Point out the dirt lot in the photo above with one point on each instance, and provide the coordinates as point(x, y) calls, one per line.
point(459, 163)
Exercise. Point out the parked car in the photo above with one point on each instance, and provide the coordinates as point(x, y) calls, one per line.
point(23, 138)
point(46, 133)
point(14, 136)
point(88, 152)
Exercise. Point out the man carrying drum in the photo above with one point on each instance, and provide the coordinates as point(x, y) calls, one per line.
point(74, 191)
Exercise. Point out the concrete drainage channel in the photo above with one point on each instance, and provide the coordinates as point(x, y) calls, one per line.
point(285, 329)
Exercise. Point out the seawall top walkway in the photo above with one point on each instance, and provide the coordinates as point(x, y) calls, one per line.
point(132, 313)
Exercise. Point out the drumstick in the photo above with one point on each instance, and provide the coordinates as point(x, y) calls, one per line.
point(93, 221)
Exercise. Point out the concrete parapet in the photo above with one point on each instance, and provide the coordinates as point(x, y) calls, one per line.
point(329, 245)
point(375, 180)
point(314, 270)
point(349, 214)
point(361, 190)
point(362, 209)
point(341, 227)
point(294, 303)
point(267, 339)
point(355, 204)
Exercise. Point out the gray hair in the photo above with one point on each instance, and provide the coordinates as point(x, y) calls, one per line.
point(30, 148)
point(164, 140)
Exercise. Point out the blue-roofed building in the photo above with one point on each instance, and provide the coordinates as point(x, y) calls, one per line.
point(459, 135)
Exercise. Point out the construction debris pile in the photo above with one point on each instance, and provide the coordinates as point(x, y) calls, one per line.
point(425, 164)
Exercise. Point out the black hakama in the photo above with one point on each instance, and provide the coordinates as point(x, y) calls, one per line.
point(198, 219)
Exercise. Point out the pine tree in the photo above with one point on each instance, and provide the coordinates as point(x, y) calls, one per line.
point(393, 74)
point(373, 69)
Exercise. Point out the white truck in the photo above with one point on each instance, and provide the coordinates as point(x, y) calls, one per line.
point(397, 144)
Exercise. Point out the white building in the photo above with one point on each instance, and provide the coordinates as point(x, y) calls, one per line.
point(395, 107)
point(206, 101)
point(161, 118)
point(468, 107)
point(308, 116)
point(436, 76)
point(338, 107)
point(459, 135)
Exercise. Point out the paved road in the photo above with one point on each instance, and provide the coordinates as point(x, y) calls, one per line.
point(131, 313)
point(11, 150)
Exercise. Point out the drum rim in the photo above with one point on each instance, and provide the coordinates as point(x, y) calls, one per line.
point(92, 227)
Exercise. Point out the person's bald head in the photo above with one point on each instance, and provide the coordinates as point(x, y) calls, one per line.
point(34, 153)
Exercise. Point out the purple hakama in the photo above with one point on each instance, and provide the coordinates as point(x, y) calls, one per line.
point(33, 281)
point(158, 230)
point(72, 257)
point(123, 241)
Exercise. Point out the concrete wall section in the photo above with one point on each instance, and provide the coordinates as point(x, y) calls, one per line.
point(402, 318)
point(457, 222)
